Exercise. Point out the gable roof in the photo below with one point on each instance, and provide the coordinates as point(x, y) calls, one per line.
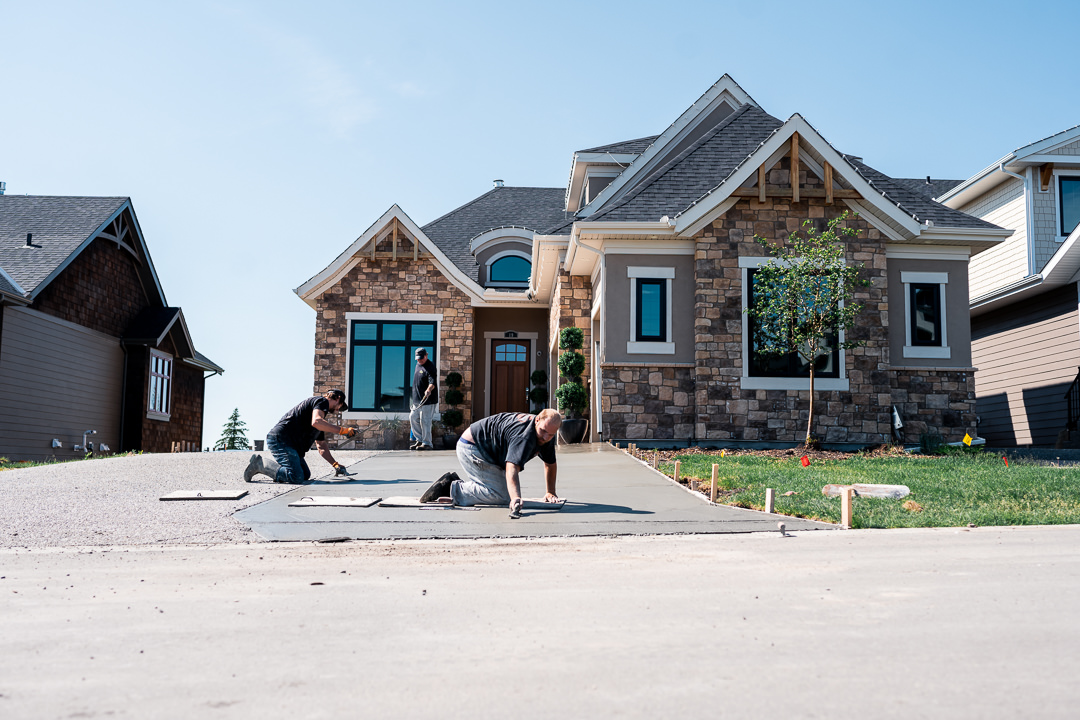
point(536, 209)
point(627, 146)
point(61, 228)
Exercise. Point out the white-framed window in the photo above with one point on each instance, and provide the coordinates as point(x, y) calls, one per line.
point(1068, 187)
point(509, 269)
point(925, 329)
point(159, 405)
point(788, 372)
point(650, 310)
point(380, 360)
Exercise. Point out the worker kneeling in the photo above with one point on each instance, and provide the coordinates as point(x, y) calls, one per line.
point(492, 452)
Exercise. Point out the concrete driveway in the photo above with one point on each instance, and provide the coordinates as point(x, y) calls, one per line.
point(607, 492)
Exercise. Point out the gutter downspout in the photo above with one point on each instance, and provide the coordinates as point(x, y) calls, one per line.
point(1028, 218)
point(598, 407)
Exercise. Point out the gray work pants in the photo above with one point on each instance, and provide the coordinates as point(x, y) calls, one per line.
point(420, 419)
point(484, 484)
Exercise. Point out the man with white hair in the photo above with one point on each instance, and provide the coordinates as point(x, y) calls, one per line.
point(492, 452)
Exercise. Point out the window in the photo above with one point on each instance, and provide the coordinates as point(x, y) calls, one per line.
point(509, 271)
point(382, 358)
point(1069, 198)
point(791, 365)
point(650, 310)
point(160, 401)
point(925, 333)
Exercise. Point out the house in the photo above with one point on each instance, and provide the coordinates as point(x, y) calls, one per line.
point(650, 250)
point(87, 340)
point(1024, 322)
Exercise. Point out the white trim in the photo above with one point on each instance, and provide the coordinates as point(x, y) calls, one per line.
point(937, 278)
point(650, 348)
point(534, 344)
point(634, 271)
point(927, 351)
point(505, 234)
point(515, 252)
point(750, 382)
point(18, 288)
point(927, 252)
point(1061, 235)
point(401, 317)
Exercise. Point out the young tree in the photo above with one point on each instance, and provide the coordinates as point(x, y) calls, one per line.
point(233, 434)
point(803, 298)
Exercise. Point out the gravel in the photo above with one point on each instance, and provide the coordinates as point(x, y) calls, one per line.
point(115, 501)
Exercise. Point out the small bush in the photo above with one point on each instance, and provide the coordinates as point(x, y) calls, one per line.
point(573, 397)
point(452, 418)
point(539, 377)
point(571, 338)
point(571, 365)
point(454, 396)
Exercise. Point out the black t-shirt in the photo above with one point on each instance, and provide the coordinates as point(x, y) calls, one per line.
point(424, 375)
point(294, 428)
point(511, 437)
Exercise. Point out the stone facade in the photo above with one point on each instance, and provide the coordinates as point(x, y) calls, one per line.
point(934, 400)
point(384, 285)
point(648, 401)
point(571, 306)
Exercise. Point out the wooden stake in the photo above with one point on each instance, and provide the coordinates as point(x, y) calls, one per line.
point(795, 167)
point(845, 507)
point(715, 474)
point(676, 471)
point(655, 459)
point(769, 500)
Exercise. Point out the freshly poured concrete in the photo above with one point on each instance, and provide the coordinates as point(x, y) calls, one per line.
point(607, 492)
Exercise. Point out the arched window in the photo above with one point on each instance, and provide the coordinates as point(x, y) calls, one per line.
point(509, 271)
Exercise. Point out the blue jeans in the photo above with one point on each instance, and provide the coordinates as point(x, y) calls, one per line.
point(294, 469)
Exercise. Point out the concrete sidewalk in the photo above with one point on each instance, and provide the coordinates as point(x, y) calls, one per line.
point(607, 493)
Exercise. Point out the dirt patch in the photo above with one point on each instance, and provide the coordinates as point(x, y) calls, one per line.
point(814, 454)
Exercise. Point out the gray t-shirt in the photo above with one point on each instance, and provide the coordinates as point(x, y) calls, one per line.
point(511, 437)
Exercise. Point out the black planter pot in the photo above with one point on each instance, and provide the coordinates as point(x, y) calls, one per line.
point(573, 430)
point(449, 441)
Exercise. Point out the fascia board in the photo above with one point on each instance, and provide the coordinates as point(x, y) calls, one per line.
point(495, 234)
point(579, 170)
point(701, 108)
point(11, 281)
point(546, 251)
point(145, 249)
point(1065, 263)
point(1043, 159)
point(1062, 138)
point(1023, 288)
point(591, 229)
point(809, 136)
point(974, 234)
point(348, 259)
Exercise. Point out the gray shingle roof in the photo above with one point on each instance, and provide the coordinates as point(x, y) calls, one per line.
point(915, 203)
point(697, 169)
point(627, 146)
point(59, 225)
point(533, 208)
point(929, 187)
point(7, 287)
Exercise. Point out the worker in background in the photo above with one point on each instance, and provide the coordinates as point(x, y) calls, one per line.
point(290, 439)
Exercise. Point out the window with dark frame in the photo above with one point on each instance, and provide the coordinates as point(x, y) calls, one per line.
point(791, 365)
point(509, 271)
point(650, 298)
point(160, 400)
point(1069, 199)
point(925, 304)
point(383, 360)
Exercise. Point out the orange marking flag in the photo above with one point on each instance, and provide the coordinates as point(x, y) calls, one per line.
point(805, 461)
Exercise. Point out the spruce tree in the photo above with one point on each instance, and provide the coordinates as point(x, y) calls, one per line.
point(233, 435)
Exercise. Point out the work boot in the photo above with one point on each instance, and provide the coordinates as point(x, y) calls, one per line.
point(440, 488)
point(259, 466)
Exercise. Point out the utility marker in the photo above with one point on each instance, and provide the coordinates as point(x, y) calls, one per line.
point(769, 500)
point(712, 491)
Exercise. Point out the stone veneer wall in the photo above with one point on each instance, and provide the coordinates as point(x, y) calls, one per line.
point(571, 306)
point(393, 286)
point(648, 401)
point(931, 400)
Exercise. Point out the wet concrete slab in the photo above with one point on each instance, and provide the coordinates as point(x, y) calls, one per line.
point(607, 492)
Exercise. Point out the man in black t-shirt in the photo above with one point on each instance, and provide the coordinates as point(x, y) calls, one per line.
point(290, 439)
point(425, 400)
point(492, 452)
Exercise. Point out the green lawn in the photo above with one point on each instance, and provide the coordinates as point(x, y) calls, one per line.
point(946, 491)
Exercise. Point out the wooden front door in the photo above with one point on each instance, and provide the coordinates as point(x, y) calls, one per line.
point(509, 376)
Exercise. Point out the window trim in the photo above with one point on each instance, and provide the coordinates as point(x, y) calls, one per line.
point(350, 317)
point(1060, 176)
point(938, 352)
point(499, 256)
point(151, 412)
point(650, 347)
point(757, 382)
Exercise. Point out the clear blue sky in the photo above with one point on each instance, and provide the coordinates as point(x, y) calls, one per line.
point(258, 139)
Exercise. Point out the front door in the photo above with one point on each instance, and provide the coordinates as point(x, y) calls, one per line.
point(509, 376)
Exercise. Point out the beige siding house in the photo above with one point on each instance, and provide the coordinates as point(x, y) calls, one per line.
point(1024, 322)
point(651, 250)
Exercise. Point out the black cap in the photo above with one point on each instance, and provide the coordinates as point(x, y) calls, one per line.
point(421, 352)
point(340, 397)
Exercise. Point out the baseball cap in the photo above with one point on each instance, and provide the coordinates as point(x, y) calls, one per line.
point(421, 352)
point(340, 397)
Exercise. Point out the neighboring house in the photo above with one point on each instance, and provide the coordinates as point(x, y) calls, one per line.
point(1025, 326)
point(87, 340)
point(650, 250)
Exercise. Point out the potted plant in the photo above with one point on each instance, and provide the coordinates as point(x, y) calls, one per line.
point(571, 395)
point(395, 431)
point(453, 417)
point(539, 394)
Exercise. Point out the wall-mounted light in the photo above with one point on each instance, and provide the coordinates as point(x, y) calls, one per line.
point(56, 443)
